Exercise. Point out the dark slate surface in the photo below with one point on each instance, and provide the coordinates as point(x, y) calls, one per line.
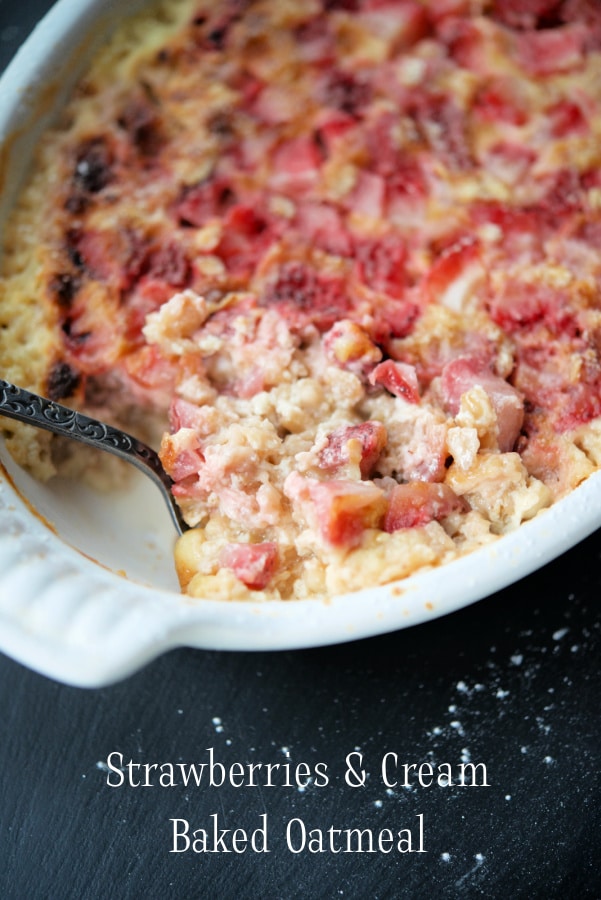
point(512, 682)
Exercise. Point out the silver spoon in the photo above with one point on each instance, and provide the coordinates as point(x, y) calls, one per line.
point(25, 406)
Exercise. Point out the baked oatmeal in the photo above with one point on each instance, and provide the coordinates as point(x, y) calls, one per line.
point(346, 255)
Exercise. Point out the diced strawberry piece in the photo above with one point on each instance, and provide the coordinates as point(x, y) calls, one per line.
point(315, 41)
point(246, 237)
point(398, 378)
point(253, 564)
point(453, 264)
point(181, 455)
point(387, 158)
point(466, 42)
point(405, 190)
point(248, 85)
point(164, 269)
point(368, 196)
point(345, 92)
point(305, 296)
point(272, 105)
point(509, 161)
point(414, 505)
point(331, 126)
point(322, 226)
point(183, 414)
point(525, 228)
point(587, 12)
point(463, 374)
point(581, 404)
point(499, 100)
point(185, 466)
point(296, 164)
point(380, 264)
point(521, 306)
point(552, 50)
point(151, 374)
point(168, 263)
point(393, 318)
point(403, 175)
point(339, 510)
point(149, 294)
point(567, 118)
point(381, 143)
point(401, 22)
point(371, 437)
point(563, 198)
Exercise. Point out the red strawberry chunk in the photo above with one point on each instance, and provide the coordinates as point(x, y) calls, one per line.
point(509, 161)
point(368, 196)
point(464, 373)
point(168, 263)
point(181, 454)
point(246, 236)
point(397, 377)
point(499, 100)
point(151, 373)
point(381, 264)
point(184, 414)
point(304, 296)
point(371, 438)
point(452, 265)
point(567, 118)
point(315, 42)
point(323, 227)
point(253, 564)
point(587, 12)
point(442, 123)
point(296, 165)
point(522, 306)
point(552, 50)
point(466, 42)
point(339, 510)
point(414, 505)
point(345, 92)
point(331, 127)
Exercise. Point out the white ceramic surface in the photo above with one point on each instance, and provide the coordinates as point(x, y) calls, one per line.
point(94, 597)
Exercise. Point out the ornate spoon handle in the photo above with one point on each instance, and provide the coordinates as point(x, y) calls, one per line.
point(25, 406)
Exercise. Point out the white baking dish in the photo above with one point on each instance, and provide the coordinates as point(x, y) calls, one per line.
point(88, 592)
